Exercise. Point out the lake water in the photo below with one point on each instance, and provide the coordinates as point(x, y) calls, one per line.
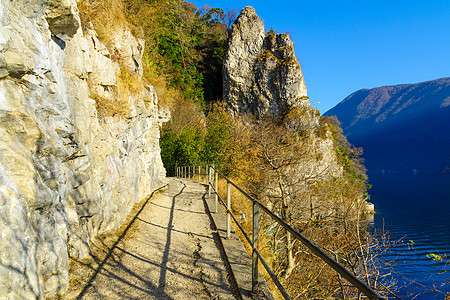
point(416, 210)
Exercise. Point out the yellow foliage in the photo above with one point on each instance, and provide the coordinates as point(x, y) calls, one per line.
point(166, 94)
point(107, 107)
point(128, 83)
point(105, 15)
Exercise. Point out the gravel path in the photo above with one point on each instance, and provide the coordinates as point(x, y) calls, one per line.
point(169, 252)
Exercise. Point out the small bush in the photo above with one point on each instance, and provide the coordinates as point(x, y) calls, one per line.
point(128, 84)
point(107, 107)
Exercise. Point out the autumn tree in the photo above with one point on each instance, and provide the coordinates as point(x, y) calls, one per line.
point(282, 166)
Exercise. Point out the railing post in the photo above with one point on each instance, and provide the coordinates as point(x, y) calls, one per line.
point(228, 209)
point(209, 182)
point(206, 173)
point(199, 180)
point(216, 186)
point(255, 241)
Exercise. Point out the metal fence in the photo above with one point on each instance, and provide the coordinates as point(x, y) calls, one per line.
point(211, 175)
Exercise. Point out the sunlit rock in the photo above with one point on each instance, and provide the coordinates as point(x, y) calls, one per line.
point(67, 174)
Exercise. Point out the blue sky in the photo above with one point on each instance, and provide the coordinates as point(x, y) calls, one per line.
point(344, 46)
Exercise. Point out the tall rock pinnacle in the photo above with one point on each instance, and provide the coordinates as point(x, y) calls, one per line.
point(261, 72)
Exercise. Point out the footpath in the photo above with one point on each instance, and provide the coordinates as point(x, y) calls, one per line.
point(170, 250)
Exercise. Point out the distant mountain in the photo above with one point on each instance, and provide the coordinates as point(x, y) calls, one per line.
point(402, 127)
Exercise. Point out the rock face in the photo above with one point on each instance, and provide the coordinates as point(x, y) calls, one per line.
point(262, 76)
point(261, 72)
point(66, 173)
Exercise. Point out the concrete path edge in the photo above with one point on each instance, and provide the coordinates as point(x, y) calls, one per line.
point(237, 256)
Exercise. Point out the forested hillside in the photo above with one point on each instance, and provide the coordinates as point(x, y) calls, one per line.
point(401, 127)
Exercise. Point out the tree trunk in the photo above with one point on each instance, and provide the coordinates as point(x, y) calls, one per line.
point(290, 255)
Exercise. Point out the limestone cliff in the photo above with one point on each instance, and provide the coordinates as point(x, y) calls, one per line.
point(67, 174)
point(261, 72)
point(262, 76)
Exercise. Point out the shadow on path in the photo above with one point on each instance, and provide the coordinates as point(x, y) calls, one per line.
point(162, 277)
point(168, 249)
point(175, 230)
point(111, 250)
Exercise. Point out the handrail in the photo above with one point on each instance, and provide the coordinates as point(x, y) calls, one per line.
point(212, 181)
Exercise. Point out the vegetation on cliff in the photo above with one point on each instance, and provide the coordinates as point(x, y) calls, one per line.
point(183, 55)
point(183, 47)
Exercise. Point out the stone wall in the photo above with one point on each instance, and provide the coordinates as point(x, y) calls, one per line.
point(67, 174)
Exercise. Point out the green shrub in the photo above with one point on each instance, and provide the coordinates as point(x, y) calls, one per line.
point(194, 145)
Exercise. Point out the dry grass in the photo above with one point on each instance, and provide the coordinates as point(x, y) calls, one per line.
point(107, 107)
point(166, 94)
point(128, 84)
point(105, 16)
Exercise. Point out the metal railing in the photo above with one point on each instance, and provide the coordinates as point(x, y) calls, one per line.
point(212, 179)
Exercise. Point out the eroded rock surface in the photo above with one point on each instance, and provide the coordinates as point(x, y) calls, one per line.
point(66, 173)
point(261, 72)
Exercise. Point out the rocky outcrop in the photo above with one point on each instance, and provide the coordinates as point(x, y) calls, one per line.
point(262, 76)
point(67, 174)
point(261, 72)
